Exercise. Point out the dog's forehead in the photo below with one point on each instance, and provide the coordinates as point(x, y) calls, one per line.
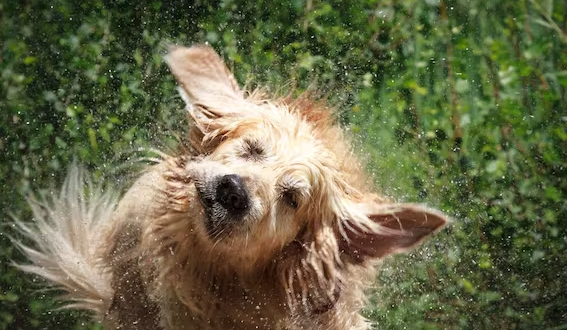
point(292, 137)
point(297, 148)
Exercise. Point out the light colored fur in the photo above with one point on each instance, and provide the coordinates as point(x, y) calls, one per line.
point(300, 257)
point(67, 233)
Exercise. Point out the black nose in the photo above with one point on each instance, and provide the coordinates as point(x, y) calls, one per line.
point(231, 194)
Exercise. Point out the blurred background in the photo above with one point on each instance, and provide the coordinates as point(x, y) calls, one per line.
point(457, 104)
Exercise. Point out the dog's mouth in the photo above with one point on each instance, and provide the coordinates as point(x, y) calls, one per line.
point(226, 202)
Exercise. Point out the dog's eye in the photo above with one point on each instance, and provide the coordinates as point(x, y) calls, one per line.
point(252, 150)
point(288, 196)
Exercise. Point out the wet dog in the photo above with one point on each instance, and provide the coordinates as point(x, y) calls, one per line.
point(268, 223)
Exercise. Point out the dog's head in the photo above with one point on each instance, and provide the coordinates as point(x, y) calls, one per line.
point(276, 177)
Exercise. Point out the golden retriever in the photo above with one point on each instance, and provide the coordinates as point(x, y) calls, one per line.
point(268, 222)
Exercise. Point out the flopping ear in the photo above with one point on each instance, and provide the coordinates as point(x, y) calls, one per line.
point(203, 76)
point(389, 228)
point(214, 99)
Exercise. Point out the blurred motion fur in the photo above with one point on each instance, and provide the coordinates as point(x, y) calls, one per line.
point(269, 222)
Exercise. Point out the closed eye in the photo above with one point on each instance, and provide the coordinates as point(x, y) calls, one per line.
point(252, 150)
point(289, 197)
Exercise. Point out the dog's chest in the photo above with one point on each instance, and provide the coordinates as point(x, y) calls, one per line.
point(212, 307)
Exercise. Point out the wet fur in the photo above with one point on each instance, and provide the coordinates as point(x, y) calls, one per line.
point(163, 258)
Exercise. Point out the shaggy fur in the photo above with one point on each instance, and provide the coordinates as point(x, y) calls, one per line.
point(269, 223)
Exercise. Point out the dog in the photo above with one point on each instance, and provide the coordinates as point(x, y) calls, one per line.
point(267, 221)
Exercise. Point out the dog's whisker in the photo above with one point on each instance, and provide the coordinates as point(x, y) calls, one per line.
point(217, 236)
point(217, 241)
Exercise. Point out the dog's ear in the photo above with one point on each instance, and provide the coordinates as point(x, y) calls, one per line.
point(214, 99)
point(388, 228)
point(203, 76)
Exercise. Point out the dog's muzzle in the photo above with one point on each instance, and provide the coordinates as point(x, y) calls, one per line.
point(226, 202)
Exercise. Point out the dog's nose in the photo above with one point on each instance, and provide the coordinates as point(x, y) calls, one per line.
point(231, 194)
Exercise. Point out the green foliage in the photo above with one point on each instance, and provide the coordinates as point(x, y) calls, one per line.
point(460, 104)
